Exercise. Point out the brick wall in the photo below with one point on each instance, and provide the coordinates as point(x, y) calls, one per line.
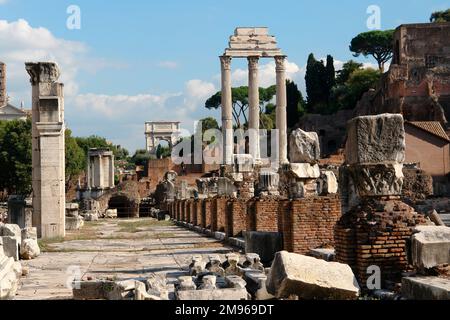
point(189, 205)
point(196, 212)
point(220, 204)
point(309, 223)
point(263, 214)
point(377, 233)
point(235, 218)
point(207, 204)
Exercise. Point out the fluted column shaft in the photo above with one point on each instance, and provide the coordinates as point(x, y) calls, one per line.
point(253, 102)
point(227, 115)
point(281, 108)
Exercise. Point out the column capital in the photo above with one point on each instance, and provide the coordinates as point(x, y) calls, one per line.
point(225, 61)
point(279, 62)
point(253, 62)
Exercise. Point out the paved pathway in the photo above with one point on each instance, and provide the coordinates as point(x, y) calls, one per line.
point(117, 249)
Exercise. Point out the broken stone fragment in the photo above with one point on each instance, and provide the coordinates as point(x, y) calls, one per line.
point(234, 281)
point(111, 213)
point(375, 139)
point(304, 146)
point(29, 248)
point(11, 230)
point(304, 171)
point(310, 278)
point(256, 285)
point(10, 273)
point(91, 216)
point(197, 265)
point(157, 286)
point(10, 247)
point(426, 288)
point(74, 223)
point(253, 261)
point(215, 266)
point(141, 294)
point(186, 283)
point(208, 283)
point(327, 183)
point(430, 246)
point(231, 265)
point(120, 290)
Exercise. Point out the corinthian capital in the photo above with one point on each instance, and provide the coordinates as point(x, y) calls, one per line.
point(253, 62)
point(225, 62)
point(42, 72)
point(279, 62)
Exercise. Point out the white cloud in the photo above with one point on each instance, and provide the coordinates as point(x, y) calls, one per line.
point(196, 93)
point(3, 1)
point(19, 42)
point(168, 64)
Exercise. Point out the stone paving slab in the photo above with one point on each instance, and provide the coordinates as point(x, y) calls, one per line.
point(118, 249)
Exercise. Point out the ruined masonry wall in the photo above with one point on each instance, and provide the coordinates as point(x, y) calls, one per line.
point(309, 223)
point(377, 234)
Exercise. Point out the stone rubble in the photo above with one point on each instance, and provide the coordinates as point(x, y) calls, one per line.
point(310, 278)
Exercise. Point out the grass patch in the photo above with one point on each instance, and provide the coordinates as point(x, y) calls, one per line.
point(141, 225)
point(45, 244)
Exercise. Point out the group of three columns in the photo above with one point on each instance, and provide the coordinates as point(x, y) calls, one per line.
point(254, 108)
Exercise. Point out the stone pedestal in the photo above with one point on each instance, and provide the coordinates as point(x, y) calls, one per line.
point(48, 155)
point(20, 211)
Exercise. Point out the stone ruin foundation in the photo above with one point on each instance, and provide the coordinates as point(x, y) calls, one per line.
point(376, 226)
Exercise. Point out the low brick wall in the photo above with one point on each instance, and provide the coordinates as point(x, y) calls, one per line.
point(196, 212)
point(377, 233)
point(235, 218)
point(262, 214)
point(207, 211)
point(309, 223)
point(219, 215)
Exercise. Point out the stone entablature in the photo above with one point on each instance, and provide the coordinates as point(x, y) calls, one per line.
point(253, 43)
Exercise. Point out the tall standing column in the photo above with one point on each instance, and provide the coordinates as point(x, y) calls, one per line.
point(253, 102)
point(48, 168)
point(227, 116)
point(281, 108)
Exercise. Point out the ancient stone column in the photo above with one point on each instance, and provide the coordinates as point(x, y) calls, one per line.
point(253, 102)
point(281, 108)
point(227, 116)
point(111, 172)
point(48, 155)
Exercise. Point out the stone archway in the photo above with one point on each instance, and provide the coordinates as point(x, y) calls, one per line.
point(126, 207)
point(158, 131)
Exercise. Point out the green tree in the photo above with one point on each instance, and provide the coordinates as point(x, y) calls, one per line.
point(440, 16)
point(347, 69)
point(75, 158)
point(315, 79)
point(378, 44)
point(295, 104)
point(162, 152)
point(319, 80)
point(330, 78)
point(141, 157)
point(15, 156)
point(360, 81)
point(240, 102)
point(95, 141)
point(209, 123)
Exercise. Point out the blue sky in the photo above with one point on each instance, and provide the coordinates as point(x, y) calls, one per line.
point(136, 61)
